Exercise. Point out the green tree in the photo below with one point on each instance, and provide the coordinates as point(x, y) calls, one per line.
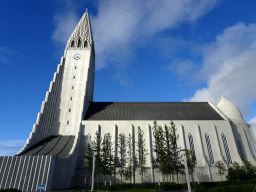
point(162, 160)
point(171, 137)
point(128, 172)
point(244, 172)
point(142, 153)
point(96, 145)
point(89, 159)
point(191, 162)
point(168, 159)
point(221, 168)
point(105, 156)
point(249, 170)
point(110, 165)
point(121, 151)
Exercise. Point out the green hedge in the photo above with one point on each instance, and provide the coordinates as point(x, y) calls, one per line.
point(169, 186)
point(228, 188)
point(9, 190)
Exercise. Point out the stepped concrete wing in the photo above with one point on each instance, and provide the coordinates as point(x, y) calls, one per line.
point(59, 146)
point(151, 111)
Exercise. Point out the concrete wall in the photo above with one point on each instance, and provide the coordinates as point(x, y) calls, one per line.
point(49, 112)
point(26, 172)
point(204, 169)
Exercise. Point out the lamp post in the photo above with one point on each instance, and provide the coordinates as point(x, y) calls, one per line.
point(186, 169)
point(93, 167)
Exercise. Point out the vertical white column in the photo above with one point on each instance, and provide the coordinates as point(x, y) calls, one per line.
point(151, 153)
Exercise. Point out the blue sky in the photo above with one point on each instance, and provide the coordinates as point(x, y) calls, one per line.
point(145, 51)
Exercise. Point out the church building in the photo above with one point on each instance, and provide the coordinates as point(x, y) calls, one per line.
point(69, 118)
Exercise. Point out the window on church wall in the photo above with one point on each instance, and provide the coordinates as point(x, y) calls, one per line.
point(69, 110)
point(209, 148)
point(74, 77)
point(251, 146)
point(67, 122)
point(240, 150)
point(225, 143)
point(88, 139)
point(73, 44)
point(124, 146)
point(191, 142)
point(79, 43)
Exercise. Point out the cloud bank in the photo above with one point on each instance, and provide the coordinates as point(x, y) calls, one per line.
point(10, 147)
point(230, 67)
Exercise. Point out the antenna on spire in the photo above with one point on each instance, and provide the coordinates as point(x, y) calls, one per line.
point(86, 10)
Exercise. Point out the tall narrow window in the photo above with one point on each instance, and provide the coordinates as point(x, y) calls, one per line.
point(209, 147)
point(191, 142)
point(240, 150)
point(225, 143)
point(89, 138)
point(70, 98)
point(251, 146)
point(67, 122)
point(72, 87)
point(79, 43)
point(75, 67)
point(85, 44)
point(74, 77)
point(69, 110)
point(72, 44)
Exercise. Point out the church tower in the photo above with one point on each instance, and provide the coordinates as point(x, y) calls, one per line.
point(70, 91)
point(78, 79)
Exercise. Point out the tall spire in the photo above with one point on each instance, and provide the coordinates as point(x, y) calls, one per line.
point(81, 38)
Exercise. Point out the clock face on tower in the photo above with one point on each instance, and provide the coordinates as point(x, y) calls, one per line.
point(77, 56)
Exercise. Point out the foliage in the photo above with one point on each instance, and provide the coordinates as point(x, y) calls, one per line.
point(121, 151)
point(128, 172)
point(142, 153)
point(9, 190)
point(245, 172)
point(191, 162)
point(168, 159)
point(221, 168)
point(169, 186)
point(96, 145)
point(89, 158)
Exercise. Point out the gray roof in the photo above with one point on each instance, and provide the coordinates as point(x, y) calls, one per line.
point(151, 111)
point(57, 145)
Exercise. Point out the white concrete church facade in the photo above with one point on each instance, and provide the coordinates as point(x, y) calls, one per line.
point(68, 120)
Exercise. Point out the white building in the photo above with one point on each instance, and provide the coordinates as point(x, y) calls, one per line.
point(52, 155)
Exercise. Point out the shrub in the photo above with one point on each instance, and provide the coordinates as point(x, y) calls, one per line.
point(9, 190)
point(235, 188)
point(169, 186)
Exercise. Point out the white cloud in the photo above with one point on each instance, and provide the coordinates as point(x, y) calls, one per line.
point(65, 25)
point(10, 147)
point(230, 67)
point(121, 26)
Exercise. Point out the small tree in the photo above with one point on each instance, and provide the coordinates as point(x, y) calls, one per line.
point(221, 168)
point(111, 161)
point(130, 160)
point(142, 152)
point(89, 159)
point(121, 151)
point(170, 134)
point(96, 145)
point(191, 162)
